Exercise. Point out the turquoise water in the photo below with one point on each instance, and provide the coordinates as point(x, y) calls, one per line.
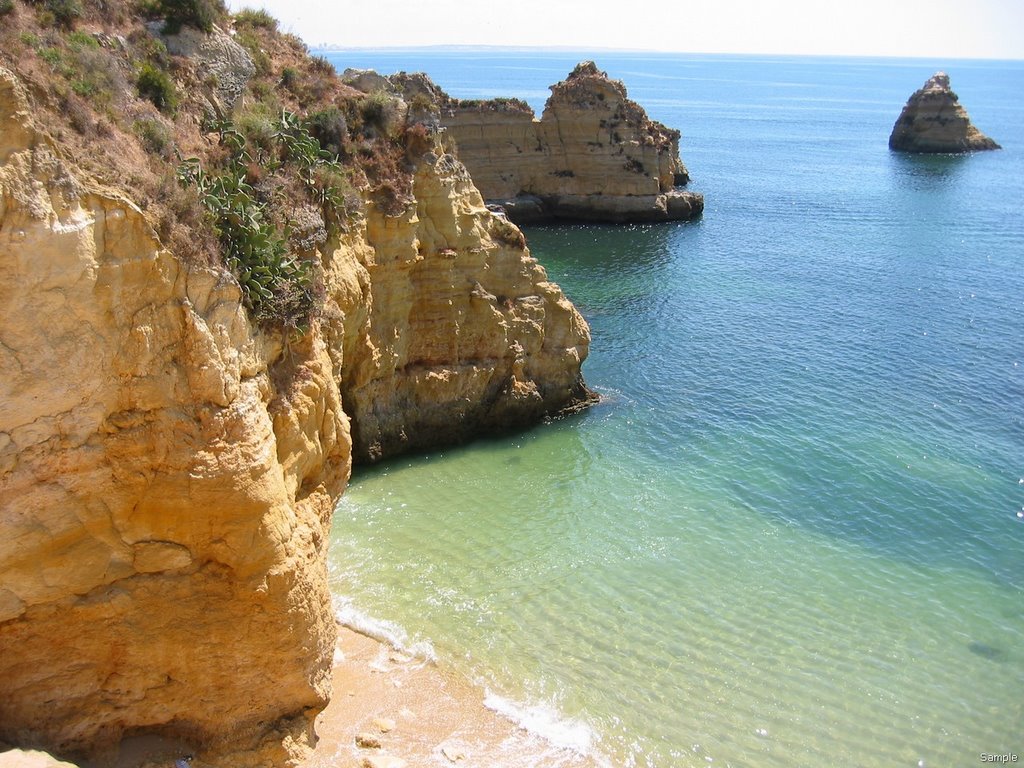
point(790, 534)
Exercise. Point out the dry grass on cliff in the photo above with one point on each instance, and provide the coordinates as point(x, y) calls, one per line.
point(126, 112)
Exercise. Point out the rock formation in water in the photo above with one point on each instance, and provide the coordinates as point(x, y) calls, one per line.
point(934, 121)
point(168, 462)
point(594, 155)
point(464, 333)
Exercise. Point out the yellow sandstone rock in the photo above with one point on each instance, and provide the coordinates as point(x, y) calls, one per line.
point(593, 155)
point(933, 120)
point(17, 758)
point(168, 470)
point(168, 481)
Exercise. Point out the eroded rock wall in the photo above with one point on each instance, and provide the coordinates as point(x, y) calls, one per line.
point(167, 475)
point(168, 470)
point(593, 155)
point(464, 332)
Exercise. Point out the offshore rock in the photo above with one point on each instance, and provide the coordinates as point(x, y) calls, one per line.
point(594, 155)
point(934, 121)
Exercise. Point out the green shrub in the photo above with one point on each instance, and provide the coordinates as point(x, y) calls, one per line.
point(63, 12)
point(277, 287)
point(289, 78)
point(322, 65)
point(378, 112)
point(330, 128)
point(421, 103)
point(152, 49)
point(95, 75)
point(154, 135)
point(200, 14)
point(6, 7)
point(249, 17)
point(156, 85)
point(54, 57)
point(256, 124)
point(82, 41)
point(337, 195)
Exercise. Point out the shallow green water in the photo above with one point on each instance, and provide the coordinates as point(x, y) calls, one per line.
point(790, 534)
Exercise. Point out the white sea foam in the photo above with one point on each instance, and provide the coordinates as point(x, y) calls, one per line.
point(545, 721)
point(384, 631)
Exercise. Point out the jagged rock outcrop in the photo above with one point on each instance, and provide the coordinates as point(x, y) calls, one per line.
point(223, 66)
point(934, 121)
point(167, 476)
point(168, 469)
point(464, 332)
point(594, 155)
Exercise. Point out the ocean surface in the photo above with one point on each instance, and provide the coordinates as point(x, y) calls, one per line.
point(793, 532)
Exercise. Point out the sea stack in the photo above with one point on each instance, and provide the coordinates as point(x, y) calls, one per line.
point(934, 121)
point(594, 155)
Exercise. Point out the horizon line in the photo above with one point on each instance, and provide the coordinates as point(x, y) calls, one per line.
point(470, 47)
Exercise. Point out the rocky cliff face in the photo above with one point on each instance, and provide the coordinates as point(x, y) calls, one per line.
point(934, 121)
point(464, 332)
point(167, 475)
point(168, 470)
point(594, 154)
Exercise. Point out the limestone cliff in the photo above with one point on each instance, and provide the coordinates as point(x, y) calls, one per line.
point(168, 468)
point(167, 475)
point(934, 121)
point(593, 155)
point(464, 332)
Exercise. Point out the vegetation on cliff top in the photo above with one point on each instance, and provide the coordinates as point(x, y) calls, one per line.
point(268, 181)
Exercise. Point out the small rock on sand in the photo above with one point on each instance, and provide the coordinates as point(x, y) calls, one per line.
point(453, 753)
point(367, 741)
point(384, 725)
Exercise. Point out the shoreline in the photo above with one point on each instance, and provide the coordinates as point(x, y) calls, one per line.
point(419, 714)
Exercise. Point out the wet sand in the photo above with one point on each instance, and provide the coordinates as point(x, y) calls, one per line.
point(418, 713)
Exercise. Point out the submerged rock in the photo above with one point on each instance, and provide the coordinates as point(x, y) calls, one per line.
point(934, 121)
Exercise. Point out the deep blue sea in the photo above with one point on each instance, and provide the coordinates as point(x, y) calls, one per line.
point(793, 533)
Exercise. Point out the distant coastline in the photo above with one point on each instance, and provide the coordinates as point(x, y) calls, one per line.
point(590, 51)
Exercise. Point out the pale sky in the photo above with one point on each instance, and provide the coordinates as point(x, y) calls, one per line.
point(926, 28)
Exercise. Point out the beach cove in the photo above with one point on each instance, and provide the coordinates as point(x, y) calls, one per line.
point(789, 535)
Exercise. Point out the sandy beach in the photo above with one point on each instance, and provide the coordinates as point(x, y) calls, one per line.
point(389, 707)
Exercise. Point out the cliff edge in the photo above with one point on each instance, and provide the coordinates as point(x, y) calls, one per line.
point(934, 121)
point(167, 475)
point(594, 155)
point(184, 369)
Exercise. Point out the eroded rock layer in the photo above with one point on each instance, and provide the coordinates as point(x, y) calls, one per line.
point(934, 121)
point(167, 475)
point(464, 334)
point(594, 155)
point(168, 470)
